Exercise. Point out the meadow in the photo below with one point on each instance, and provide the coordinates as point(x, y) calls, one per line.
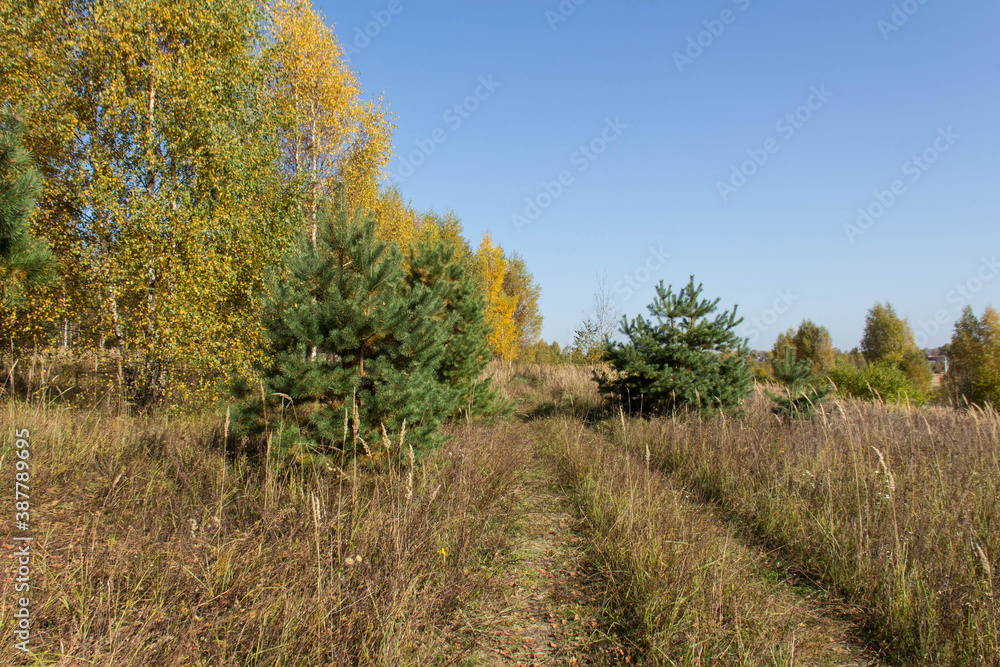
point(863, 536)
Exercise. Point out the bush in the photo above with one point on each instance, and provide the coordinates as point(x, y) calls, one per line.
point(974, 373)
point(878, 381)
point(800, 397)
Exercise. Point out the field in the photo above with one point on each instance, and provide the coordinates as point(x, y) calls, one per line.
point(566, 534)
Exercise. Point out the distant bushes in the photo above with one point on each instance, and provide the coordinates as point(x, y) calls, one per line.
point(878, 381)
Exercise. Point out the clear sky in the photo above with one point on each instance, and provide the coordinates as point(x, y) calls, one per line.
point(739, 137)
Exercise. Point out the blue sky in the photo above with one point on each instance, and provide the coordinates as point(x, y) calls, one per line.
point(740, 137)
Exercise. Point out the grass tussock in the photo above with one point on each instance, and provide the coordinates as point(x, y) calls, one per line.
point(154, 547)
point(684, 588)
point(895, 508)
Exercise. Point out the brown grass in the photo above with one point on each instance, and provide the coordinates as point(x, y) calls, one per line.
point(896, 509)
point(686, 589)
point(154, 548)
point(544, 389)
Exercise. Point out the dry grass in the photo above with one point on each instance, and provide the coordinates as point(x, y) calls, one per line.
point(543, 389)
point(155, 548)
point(685, 588)
point(896, 509)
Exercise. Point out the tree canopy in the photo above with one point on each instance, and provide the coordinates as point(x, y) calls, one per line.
point(974, 369)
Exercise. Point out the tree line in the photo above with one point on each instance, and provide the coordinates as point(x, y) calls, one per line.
point(158, 164)
point(687, 354)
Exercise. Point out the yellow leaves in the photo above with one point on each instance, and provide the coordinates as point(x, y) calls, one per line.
point(177, 137)
point(164, 203)
point(397, 219)
point(511, 299)
point(330, 135)
point(492, 266)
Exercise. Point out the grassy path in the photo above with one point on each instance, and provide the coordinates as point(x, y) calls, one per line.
point(688, 587)
point(543, 607)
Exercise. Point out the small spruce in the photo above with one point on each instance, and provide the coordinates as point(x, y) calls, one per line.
point(682, 358)
point(351, 341)
point(800, 398)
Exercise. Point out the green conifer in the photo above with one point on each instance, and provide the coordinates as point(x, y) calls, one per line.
point(438, 266)
point(681, 359)
point(24, 260)
point(800, 398)
point(353, 348)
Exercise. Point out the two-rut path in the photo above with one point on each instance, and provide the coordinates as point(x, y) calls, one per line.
point(545, 605)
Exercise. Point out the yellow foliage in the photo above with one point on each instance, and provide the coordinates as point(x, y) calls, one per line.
point(161, 192)
point(330, 137)
point(492, 267)
point(397, 219)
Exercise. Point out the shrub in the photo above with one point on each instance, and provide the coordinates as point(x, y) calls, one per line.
point(974, 373)
point(800, 398)
point(878, 381)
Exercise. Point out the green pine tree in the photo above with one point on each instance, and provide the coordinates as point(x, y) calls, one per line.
point(681, 359)
point(353, 348)
point(439, 266)
point(801, 397)
point(24, 260)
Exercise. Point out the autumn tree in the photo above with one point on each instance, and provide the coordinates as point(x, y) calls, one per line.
point(491, 269)
point(397, 219)
point(40, 47)
point(446, 227)
point(520, 286)
point(810, 342)
point(974, 369)
point(545, 353)
point(888, 338)
point(162, 200)
point(330, 136)
point(38, 50)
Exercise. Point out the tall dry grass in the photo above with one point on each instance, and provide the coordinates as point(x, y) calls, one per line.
point(155, 547)
point(685, 589)
point(897, 509)
point(546, 389)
